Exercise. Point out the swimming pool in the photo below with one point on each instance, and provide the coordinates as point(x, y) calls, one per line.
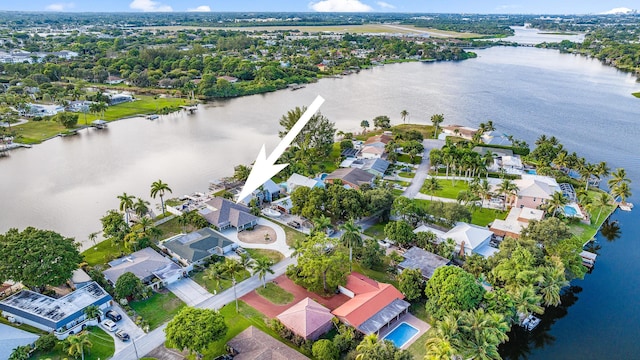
point(570, 210)
point(532, 172)
point(401, 334)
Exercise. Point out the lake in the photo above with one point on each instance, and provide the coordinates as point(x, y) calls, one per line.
point(67, 184)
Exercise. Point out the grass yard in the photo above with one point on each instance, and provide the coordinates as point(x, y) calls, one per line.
point(173, 227)
point(158, 309)
point(103, 347)
point(449, 191)
point(636, 94)
point(210, 285)
point(376, 231)
point(376, 274)
point(483, 216)
point(293, 235)
point(237, 322)
point(275, 294)
point(273, 255)
point(587, 232)
point(425, 130)
point(102, 253)
point(35, 132)
point(418, 348)
point(409, 175)
point(406, 159)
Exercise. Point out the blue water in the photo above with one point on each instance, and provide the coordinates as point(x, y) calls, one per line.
point(570, 211)
point(401, 334)
point(532, 172)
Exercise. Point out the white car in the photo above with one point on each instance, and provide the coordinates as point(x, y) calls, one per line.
point(110, 325)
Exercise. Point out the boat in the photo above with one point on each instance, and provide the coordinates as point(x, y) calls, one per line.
point(530, 323)
point(152, 117)
point(295, 86)
point(626, 206)
point(99, 124)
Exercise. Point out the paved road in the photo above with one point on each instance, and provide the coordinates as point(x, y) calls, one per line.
point(423, 170)
point(146, 343)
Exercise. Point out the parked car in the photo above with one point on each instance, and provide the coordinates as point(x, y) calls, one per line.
point(294, 224)
point(120, 334)
point(113, 315)
point(240, 251)
point(110, 325)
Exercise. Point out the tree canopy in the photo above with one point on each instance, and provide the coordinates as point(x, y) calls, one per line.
point(321, 265)
point(450, 289)
point(317, 134)
point(128, 286)
point(37, 258)
point(194, 329)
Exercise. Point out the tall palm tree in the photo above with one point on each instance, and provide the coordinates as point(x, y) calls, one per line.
point(618, 177)
point(436, 120)
point(146, 223)
point(508, 188)
point(92, 312)
point(183, 220)
point(368, 345)
point(158, 188)
point(93, 237)
point(213, 273)
point(561, 160)
point(527, 301)
point(442, 341)
point(622, 191)
point(141, 208)
point(75, 344)
point(432, 185)
point(231, 268)
point(585, 172)
point(350, 236)
point(262, 267)
point(600, 202)
point(484, 332)
point(553, 282)
point(126, 203)
point(403, 115)
point(484, 190)
point(602, 170)
point(557, 202)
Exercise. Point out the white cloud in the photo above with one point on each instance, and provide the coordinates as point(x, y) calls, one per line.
point(149, 5)
point(340, 6)
point(385, 5)
point(201, 8)
point(60, 6)
point(620, 10)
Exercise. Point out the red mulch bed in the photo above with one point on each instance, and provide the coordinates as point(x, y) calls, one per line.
point(266, 307)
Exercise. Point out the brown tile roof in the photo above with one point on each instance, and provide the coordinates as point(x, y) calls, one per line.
point(370, 298)
point(254, 344)
point(378, 138)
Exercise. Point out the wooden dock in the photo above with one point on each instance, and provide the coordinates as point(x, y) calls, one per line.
point(588, 259)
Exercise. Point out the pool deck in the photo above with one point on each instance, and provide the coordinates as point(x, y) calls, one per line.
point(422, 327)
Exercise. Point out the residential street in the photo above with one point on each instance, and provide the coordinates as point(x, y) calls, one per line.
point(145, 343)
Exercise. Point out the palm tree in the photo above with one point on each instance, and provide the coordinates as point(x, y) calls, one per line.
point(442, 339)
point(154, 232)
point(158, 188)
point(126, 203)
point(403, 115)
point(561, 160)
point(618, 177)
point(367, 346)
point(364, 124)
point(585, 172)
point(552, 283)
point(352, 235)
point(484, 190)
point(321, 223)
point(21, 353)
point(93, 237)
point(92, 312)
point(484, 332)
point(183, 220)
point(75, 344)
point(527, 301)
point(436, 120)
point(231, 268)
point(262, 267)
point(600, 202)
point(141, 208)
point(508, 188)
point(622, 191)
point(213, 273)
point(432, 185)
point(557, 202)
point(146, 223)
point(602, 170)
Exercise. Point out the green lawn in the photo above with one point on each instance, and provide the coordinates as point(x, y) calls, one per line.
point(483, 216)
point(275, 294)
point(587, 232)
point(273, 255)
point(103, 347)
point(407, 175)
point(636, 94)
point(237, 322)
point(210, 285)
point(418, 349)
point(449, 191)
point(376, 231)
point(406, 159)
point(158, 309)
point(293, 235)
point(35, 132)
point(102, 253)
point(376, 274)
point(173, 227)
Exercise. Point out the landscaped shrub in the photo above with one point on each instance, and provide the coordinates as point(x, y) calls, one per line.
point(46, 342)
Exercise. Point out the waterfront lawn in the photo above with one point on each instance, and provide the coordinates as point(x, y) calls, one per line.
point(587, 232)
point(158, 309)
point(34, 132)
point(275, 294)
point(484, 216)
point(102, 253)
point(237, 322)
point(273, 255)
point(103, 347)
point(225, 284)
point(376, 231)
point(173, 227)
point(425, 130)
point(449, 190)
point(142, 105)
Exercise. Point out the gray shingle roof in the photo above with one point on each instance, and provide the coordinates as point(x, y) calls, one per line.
point(220, 211)
point(197, 245)
point(143, 264)
point(351, 175)
point(427, 262)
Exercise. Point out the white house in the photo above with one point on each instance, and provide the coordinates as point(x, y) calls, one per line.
point(473, 238)
point(297, 180)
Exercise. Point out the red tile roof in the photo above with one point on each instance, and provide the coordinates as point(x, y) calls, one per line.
point(370, 297)
point(307, 319)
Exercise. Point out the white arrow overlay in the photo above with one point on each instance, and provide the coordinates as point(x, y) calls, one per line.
point(265, 168)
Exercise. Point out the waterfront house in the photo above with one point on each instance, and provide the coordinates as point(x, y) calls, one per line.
point(372, 305)
point(115, 99)
point(114, 80)
point(517, 220)
point(371, 152)
point(376, 167)
point(196, 247)
point(297, 180)
point(459, 131)
point(64, 316)
point(42, 110)
point(535, 190)
point(471, 238)
point(427, 262)
point(151, 268)
point(224, 214)
point(351, 177)
point(255, 344)
point(230, 79)
point(307, 319)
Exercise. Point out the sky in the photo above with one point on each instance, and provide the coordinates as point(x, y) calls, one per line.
point(424, 6)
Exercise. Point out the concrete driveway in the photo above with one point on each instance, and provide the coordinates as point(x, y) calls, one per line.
point(279, 245)
point(423, 170)
point(125, 324)
point(189, 291)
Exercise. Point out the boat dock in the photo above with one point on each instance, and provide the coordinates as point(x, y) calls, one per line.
point(99, 124)
point(152, 117)
point(191, 108)
point(588, 259)
point(531, 322)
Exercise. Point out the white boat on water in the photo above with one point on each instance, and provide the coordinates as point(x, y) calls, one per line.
point(626, 206)
point(152, 117)
point(531, 322)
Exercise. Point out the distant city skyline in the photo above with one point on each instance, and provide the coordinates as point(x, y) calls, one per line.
point(411, 6)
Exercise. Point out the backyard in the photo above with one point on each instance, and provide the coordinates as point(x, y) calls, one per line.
point(102, 347)
point(158, 309)
point(224, 284)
